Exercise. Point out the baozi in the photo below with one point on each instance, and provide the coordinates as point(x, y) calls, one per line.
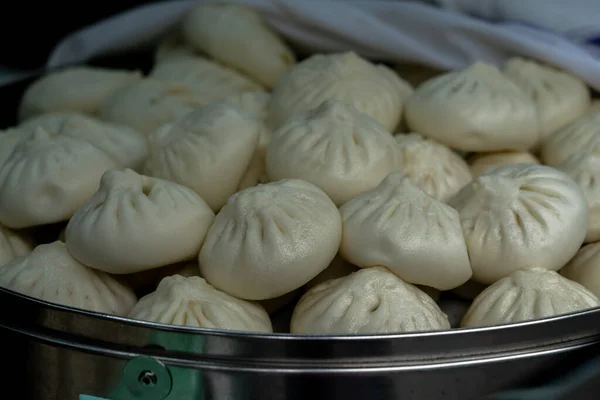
point(372, 89)
point(399, 226)
point(584, 268)
point(338, 268)
point(528, 294)
point(208, 79)
point(9, 139)
point(238, 37)
point(173, 46)
point(559, 97)
point(335, 147)
point(77, 89)
point(584, 169)
point(476, 109)
point(135, 223)
point(13, 245)
point(372, 300)
point(193, 302)
point(520, 215)
point(208, 150)
point(431, 166)
point(149, 103)
point(50, 273)
point(480, 162)
point(271, 239)
point(581, 135)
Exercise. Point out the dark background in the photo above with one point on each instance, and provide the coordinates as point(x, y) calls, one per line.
point(30, 30)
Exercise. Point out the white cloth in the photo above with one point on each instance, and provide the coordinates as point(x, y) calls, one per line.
point(393, 30)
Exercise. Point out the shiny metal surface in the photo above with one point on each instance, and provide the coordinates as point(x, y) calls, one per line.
point(70, 352)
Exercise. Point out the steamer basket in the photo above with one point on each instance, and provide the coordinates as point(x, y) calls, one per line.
point(63, 353)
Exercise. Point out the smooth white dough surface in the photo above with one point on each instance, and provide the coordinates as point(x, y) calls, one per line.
point(135, 223)
point(373, 89)
point(518, 216)
point(581, 135)
point(475, 109)
point(559, 96)
point(77, 89)
point(238, 36)
point(584, 169)
point(50, 273)
point(431, 166)
point(335, 147)
point(399, 226)
point(208, 150)
point(480, 162)
point(208, 79)
point(372, 300)
point(525, 295)
point(191, 301)
point(9, 139)
point(49, 175)
point(12, 245)
point(584, 268)
point(269, 240)
point(149, 103)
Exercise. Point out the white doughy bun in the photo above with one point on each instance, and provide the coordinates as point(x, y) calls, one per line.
point(334, 146)
point(9, 139)
point(237, 36)
point(525, 295)
point(476, 109)
point(149, 103)
point(399, 226)
point(271, 239)
point(559, 96)
point(373, 89)
point(518, 216)
point(50, 273)
point(372, 300)
point(48, 176)
point(431, 166)
point(581, 135)
point(584, 268)
point(208, 79)
point(12, 245)
point(134, 223)
point(173, 46)
point(481, 162)
point(338, 268)
point(209, 151)
point(584, 169)
point(77, 89)
point(193, 302)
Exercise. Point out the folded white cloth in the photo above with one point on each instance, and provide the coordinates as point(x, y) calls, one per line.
point(394, 30)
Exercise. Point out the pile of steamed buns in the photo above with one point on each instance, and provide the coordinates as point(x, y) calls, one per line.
point(232, 179)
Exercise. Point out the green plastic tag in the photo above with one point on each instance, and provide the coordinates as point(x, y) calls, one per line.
point(86, 397)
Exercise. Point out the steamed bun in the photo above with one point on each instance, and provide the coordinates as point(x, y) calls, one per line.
point(481, 162)
point(371, 300)
point(271, 239)
point(373, 89)
point(50, 273)
point(520, 215)
point(173, 46)
point(149, 103)
point(9, 139)
point(399, 226)
point(208, 150)
point(77, 89)
point(12, 245)
point(135, 223)
point(431, 166)
point(338, 268)
point(237, 36)
point(584, 268)
point(584, 169)
point(476, 109)
point(525, 295)
point(559, 97)
point(335, 147)
point(193, 302)
point(209, 80)
point(581, 135)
